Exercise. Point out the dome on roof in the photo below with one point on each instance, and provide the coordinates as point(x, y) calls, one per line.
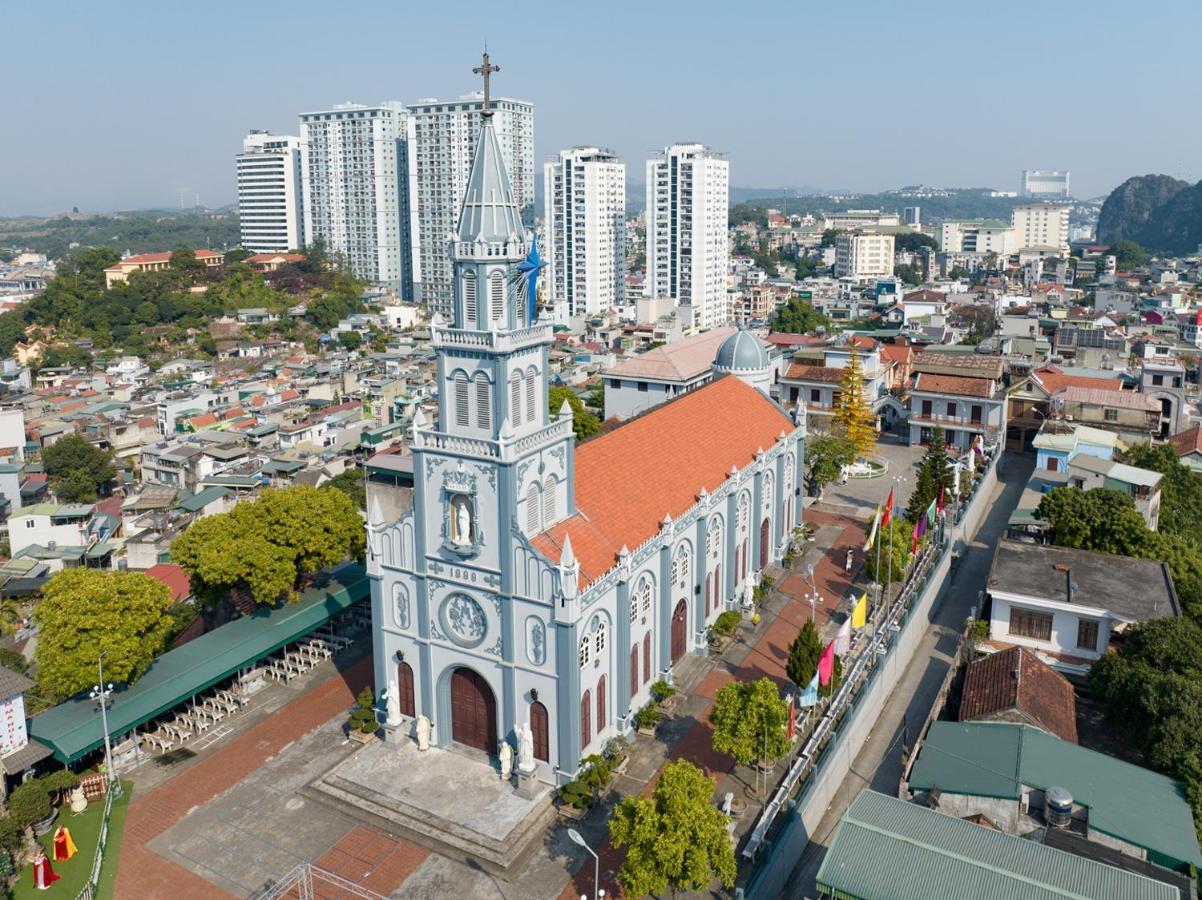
point(741, 352)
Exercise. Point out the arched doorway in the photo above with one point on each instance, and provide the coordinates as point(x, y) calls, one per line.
point(473, 711)
point(765, 545)
point(404, 681)
point(540, 730)
point(679, 630)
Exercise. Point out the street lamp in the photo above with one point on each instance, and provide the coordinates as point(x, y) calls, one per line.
point(100, 694)
point(578, 838)
point(812, 597)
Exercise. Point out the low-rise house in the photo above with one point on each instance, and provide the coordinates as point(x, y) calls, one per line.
point(1141, 485)
point(960, 392)
point(64, 535)
point(1065, 604)
point(1022, 779)
point(1135, 417)
point(646, 380)
point(1060, 442)
point(1188, 446)
point(815, 375)
point(1016, 686)
point(155, 262)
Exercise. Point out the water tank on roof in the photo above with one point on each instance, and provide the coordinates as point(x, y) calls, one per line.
point(1058, 807)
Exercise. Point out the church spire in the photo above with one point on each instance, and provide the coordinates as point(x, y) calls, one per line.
point(489, 213)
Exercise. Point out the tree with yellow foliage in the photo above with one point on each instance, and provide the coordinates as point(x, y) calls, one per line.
point(854, 419)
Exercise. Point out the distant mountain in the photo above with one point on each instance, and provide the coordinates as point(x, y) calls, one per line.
point(1132, 205)
point(1175, 227)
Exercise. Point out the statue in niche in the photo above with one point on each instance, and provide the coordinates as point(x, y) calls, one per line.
point(461, 520)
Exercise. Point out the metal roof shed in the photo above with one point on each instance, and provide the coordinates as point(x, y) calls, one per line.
point(885, 847)
point(73, 728)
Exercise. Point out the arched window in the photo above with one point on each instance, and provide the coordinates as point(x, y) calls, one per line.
point(646, 657)
point(585, 726)
point(469, 301)
point(601, 716)
point(461, 404)
point(515, 399)
point(634, 605)
point(550, 501)
point(634, 669)
point(680, 567)
point(599, 639)
point(586, 646)
point(709, 587)
point(743, 513)
point(541, 730)
point(533, 509)
point(483, 402)
point(646, 598)
point(531, 378)
point(496, 296)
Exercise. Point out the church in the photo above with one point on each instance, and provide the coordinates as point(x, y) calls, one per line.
point(536, 583)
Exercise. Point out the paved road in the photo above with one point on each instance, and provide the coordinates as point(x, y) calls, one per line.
point(878, 764)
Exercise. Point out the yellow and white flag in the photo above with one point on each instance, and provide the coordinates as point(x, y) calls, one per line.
point(859, 613)
point(876, 521)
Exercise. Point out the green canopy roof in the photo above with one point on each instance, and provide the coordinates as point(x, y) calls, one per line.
point(999, 759)
point(73, 729)
point(885, 847)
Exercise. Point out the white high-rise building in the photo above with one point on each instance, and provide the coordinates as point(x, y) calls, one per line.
point(584, 201)
point(688, 200)
point(1046, 183)
point(863, 254)
point(446, 132)
point(1041, 225)
point(356, 163)
point(269, 193)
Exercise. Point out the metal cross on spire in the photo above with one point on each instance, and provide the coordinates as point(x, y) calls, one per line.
point(486, 70)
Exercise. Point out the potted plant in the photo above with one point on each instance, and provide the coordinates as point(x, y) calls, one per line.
point(362, 724)
point(755, 618)
point(723, 629)
point(646, 719)
point(595, 771)
point(575, 798)
point(617, 753)
point(664, 694)
point(58, 784)
point(30, 806)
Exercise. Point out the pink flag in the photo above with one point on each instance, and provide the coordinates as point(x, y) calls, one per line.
point(826, 664)
point(843, 638)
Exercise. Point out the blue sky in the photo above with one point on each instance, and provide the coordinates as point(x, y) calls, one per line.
point(116, 105)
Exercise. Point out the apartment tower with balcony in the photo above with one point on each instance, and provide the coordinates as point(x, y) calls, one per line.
point(270, 212)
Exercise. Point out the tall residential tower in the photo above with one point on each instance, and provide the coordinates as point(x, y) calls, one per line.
point(356, 163)
point(446, 133)
point(584, 200)
point(688, 199)
point(269, 193)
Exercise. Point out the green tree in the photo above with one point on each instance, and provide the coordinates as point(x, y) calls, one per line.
point(798, 317)
point(676, 838)
point(1128, 255)
point(84, 612)
point(268, 545)
point(911, 275)
point(825, 458)
point(351, 482)
point(934, 475)
point(1180, 490)
point(807, 267)
point(350, 340)
point(77, 469)
point(892, 547)
point(596, 398)
point(1101, 519)
point(584, 423)
point(749, 719)
point(804, 652)
point(829, 235)
point(853, 418)
point(183, 259)
point(910, 241)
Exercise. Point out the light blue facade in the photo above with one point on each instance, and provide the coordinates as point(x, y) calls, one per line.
point(456, 580)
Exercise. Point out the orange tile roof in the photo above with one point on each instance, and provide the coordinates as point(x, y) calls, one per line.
point(1053, 380)
point(1187, 442)
point(960, 385)
point(657, 464)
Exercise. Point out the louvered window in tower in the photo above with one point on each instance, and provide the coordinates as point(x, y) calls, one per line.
point(496, 295)
point(533, 509)
point(530, 380)
point(515, 399)
point(483, 402)
point(461, 406)
point(469, 300)
point(550, 513)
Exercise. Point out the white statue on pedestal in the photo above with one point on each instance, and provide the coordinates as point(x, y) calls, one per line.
point(506, 754)
point(423, 733)
point(79, 802)
point(525, 747)
point(394, 703)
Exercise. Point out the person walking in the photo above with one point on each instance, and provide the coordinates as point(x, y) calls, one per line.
point(847, 562)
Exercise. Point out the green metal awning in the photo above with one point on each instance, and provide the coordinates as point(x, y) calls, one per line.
point(73, 729)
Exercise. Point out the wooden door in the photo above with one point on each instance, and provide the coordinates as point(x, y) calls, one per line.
point(538, 726)
point(679, 630)
point(404, 680)
point(473, 711)
point(765, 541)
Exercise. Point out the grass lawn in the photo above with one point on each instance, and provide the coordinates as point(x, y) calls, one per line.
point(85, 829)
